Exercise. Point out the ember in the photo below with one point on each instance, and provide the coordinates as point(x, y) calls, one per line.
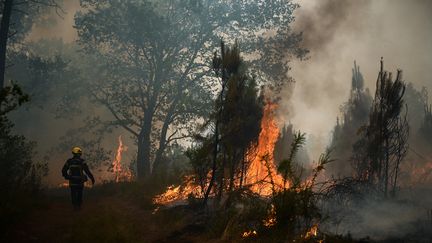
point(249, 233)
point(313, 231)
point(271, 219)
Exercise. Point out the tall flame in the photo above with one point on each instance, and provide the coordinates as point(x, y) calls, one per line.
point(117, 165)
point(262, 172)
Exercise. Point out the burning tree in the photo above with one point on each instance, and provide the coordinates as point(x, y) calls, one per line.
point(238, 153)
point(384, 143)
point(235, 162)
point(237, 120)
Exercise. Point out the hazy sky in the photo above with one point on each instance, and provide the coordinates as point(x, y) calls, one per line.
point(63, 24)
point(336, 32)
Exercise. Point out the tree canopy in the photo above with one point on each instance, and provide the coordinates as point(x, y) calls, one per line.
point(153, 58)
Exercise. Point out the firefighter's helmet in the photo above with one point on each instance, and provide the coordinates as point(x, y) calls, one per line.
point(76, 150)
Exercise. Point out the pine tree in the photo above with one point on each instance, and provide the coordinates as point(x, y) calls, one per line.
point(354, 116)
point(237, 119)
point(384, 143)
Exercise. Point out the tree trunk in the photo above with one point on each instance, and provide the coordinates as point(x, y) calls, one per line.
point(163, 137)
point(158, 163)
point(243, 168)
point(4, 34)
point(214, 162)
point(221, 177)
point(386, 168)
point(144, 147)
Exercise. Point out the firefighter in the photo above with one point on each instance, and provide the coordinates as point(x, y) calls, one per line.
point(74, 170)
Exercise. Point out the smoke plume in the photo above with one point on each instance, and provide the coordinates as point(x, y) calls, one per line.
point(338, 32)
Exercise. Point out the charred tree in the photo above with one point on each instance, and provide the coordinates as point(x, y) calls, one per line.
point(384, 143)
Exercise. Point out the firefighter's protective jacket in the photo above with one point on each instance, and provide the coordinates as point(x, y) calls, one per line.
point(74, 169)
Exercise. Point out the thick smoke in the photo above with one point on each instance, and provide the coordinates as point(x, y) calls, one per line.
point(385, 219)
point(339, 32)
point(321, 21)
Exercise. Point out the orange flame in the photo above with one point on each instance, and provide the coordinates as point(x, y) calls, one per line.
point(178, 193)
point(120, 175)
point(262, 170)
point(260, 174)
point(313, 231)
point(249, 233)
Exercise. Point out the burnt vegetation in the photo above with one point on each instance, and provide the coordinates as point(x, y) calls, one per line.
point(196, 85)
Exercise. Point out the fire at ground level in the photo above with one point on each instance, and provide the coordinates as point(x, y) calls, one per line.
point(262, 179)
point(115, 211)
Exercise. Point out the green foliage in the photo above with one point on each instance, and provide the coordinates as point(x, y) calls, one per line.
point(296, 206)
point(25, 14)
point(199, 158)
point(11, 97)
point(150, 68)
point(285, 139)
point(19, 174)
point(154, 63)
point(236, 121)
point(240, 114)
point(292, 210)
point(286, 166)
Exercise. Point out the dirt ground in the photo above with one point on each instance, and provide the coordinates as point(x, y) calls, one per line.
point(104, 217)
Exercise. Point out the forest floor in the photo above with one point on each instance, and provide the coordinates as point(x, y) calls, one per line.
point(108, 214)
point(121, 212)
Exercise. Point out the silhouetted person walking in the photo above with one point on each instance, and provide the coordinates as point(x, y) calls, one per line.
point(74, 170)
